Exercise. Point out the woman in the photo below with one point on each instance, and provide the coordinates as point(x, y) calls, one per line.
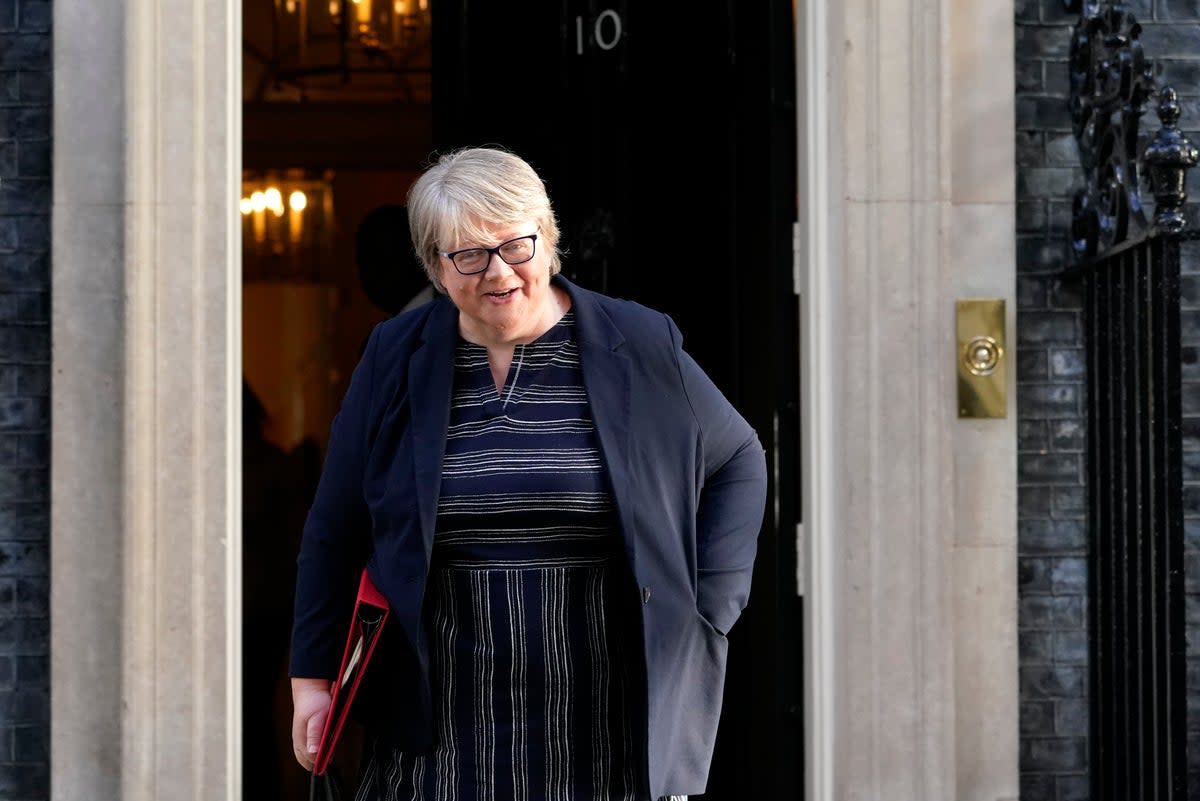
point(560, 507)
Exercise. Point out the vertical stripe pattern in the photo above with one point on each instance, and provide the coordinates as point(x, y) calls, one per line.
point(530, 609)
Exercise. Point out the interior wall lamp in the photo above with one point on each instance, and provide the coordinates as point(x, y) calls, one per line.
point(287, 223)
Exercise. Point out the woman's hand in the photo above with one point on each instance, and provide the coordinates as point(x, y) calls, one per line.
point(310, 707)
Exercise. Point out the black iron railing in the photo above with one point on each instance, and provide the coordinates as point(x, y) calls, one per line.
point(1136, 523)
point(1129, 263)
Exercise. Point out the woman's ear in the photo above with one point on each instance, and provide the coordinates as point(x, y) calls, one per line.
point(439, 279)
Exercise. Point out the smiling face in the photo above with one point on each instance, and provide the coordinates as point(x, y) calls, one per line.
point(506, 304)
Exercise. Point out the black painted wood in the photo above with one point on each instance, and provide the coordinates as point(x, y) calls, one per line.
point(669, 151)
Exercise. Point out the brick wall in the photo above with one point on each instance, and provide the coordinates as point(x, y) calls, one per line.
point(1052, 538)
point(25, 85)
point(1052, 534)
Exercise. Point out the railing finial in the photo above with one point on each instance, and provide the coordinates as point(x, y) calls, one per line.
point(1169, 157)
point(1111, 82)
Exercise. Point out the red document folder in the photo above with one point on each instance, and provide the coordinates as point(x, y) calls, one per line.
point(370, 613)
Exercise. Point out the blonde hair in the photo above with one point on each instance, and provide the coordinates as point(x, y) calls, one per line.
point(474, 187)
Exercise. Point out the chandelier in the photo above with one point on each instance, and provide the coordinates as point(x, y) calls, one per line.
point(338, 49)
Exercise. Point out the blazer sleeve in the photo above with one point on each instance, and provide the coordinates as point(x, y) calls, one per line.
point(336, 538)
point(732, 497)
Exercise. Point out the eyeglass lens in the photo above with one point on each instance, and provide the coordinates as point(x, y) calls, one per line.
point(514, 251)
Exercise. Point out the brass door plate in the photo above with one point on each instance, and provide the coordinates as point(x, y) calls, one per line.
point(982, 358)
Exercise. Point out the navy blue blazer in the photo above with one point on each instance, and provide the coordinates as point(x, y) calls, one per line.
point(688, 477)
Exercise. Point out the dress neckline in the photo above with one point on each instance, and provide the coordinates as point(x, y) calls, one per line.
point(528, 359)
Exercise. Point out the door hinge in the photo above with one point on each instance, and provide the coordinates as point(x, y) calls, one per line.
point(797, 260)
point(801, 561)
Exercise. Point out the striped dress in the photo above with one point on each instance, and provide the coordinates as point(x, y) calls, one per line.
point(530, 610)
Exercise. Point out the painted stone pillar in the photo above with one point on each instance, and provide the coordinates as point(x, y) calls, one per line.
point(145, 529)
point(908, 203)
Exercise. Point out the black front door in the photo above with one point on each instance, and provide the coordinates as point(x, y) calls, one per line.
point(666, 134)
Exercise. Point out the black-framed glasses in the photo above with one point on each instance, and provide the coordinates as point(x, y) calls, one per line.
point(470, 261)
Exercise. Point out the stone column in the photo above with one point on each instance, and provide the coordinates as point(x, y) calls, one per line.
point(981, 228)
point(145, 525)
point(909, 178)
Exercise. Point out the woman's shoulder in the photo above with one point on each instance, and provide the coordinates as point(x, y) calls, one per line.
point(391, 345)
point(407, 325)
point(644, 329)
point(393, 341)
point(629, 316)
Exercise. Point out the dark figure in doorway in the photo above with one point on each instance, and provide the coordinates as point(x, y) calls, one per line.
point(388, 269)
point(277, 489)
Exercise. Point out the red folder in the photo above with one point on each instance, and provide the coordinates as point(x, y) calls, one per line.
point(370, 613)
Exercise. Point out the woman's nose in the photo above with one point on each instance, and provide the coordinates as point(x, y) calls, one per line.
point(498, 264)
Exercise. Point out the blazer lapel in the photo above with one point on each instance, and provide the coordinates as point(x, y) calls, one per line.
point(606, 378)
point(430, 381)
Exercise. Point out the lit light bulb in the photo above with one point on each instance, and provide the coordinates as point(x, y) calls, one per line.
point(333, 8)
point(424, 5)
point(400, 9)
point(297, 201)
point(291, 6)
point(258, 201)
point(246, 205)
point(275, 200)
